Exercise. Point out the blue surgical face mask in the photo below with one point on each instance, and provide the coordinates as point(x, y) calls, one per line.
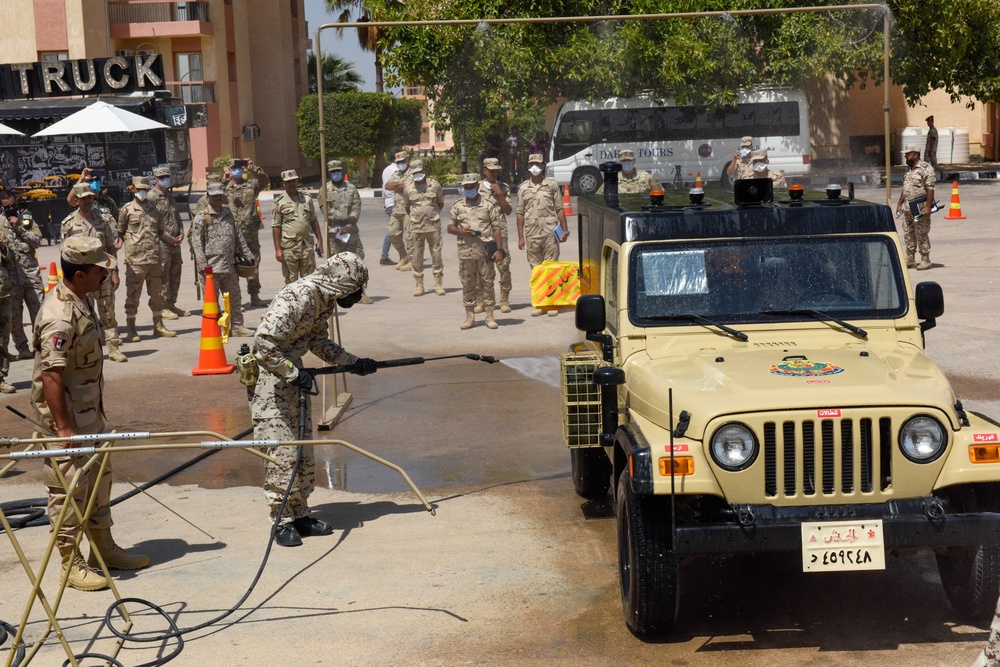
point(628, 165)
point(164, 182)
point(744, 152)
point(141, 195)
point(95, 185)
point(470, 193)
point(336, 176)
point(419, 176)
point(237, 173)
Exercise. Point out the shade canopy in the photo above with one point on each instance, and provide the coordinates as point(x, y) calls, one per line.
point(100, 118)
point(9, 130)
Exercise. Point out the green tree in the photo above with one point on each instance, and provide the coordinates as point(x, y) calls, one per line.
point(370, 39)
point(339, 75)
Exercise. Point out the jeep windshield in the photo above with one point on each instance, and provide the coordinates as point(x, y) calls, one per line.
point(765, 280)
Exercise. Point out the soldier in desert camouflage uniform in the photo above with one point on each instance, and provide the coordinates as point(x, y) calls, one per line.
point(741, 165)
point(343, 209)
point(539, 210)
point(216, 239)
point(170, 253)
point(295, 323)
point(24, 237)
point(246, 184)
point(918, 181)
point(497, 194)
point(422, 200)
point(67, 399)
point(88, 221)
point(632, 180)
point(294, 227)
point(399, 223)
point(141, 228)
point(475, 223)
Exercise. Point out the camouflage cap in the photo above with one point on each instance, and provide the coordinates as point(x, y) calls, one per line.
point(911, 148)
point(627, 154)
point(417, 165)
point(759, 155)
point(492, 163)
point(470, 179)
point(334, 165)
point(140, 182)
point(746, 142)
point(82, 190)
point(536, 158)
point(289, 175)
point(160, 172)
point(215, 189)
point(213, 178)
point(83, 250)
point(401, 156)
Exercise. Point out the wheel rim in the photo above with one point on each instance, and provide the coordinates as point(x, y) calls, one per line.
point(587, 182)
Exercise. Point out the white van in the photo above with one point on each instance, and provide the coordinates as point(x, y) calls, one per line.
point(675, 143)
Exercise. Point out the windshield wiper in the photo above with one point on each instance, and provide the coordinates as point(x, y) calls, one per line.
point(701, 320)
point(819, 315)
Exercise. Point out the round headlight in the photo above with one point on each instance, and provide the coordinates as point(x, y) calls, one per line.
point(734, 447)
point(922, 439)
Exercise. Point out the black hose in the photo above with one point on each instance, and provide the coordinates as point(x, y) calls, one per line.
point(6, 629)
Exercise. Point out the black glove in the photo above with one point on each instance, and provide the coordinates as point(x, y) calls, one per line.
point(364, 367)
point(304, 380)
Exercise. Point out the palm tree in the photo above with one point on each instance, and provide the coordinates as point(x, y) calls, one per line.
point(370, 39)
point(339, 75)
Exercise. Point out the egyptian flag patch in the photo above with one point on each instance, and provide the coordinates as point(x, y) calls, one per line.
point(59, 340)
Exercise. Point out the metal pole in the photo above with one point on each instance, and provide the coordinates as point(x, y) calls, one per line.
point(885, 85)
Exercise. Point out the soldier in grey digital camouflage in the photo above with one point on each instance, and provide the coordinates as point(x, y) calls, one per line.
point(170, 253)
point(217, 240)
point(497, 194)
point(24, 237)
point(91, 222)
point(69, 373)
point(632, 180)
point(296, 230)
point(343, 210)
point(422, 200)
point(246, 183)
point(297, 322)
point(476, 224)
point(141, 229)
point(918, 187)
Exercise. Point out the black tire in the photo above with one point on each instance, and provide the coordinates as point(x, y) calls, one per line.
point(726, 180)
point(586, 181)
point(591, 472)
point(647, 567)
point(971, 575)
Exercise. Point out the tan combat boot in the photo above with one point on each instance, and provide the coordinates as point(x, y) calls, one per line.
point(925, 263)
point(179, 312)
point(490, 322)
point(130, 332)
point(504, 301)
point(404, 264)
point(81, 576)
point(910, 262)
point(438, 287)
point(114, 556)
point(168, 314)
point(114, 354)
point(470, 320)
point(256, 301)
point(419, 289)
point(161, 331)
point(366, 300)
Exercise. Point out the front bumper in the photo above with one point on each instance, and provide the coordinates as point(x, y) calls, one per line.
point(909, 524)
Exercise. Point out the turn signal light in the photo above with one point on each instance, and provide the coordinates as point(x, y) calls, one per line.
point(984, 453)
point(683, 465)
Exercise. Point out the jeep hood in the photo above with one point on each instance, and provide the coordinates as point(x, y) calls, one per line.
point(712, 383)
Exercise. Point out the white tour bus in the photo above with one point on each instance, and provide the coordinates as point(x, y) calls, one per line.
point(675, 143)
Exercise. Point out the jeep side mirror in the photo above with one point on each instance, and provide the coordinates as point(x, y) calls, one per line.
point(930, 304)
point(590, 313)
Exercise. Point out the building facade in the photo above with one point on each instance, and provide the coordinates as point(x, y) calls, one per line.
point(244, 60)
point(432, 139)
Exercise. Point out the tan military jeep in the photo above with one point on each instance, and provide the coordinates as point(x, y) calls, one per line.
point(753, 379)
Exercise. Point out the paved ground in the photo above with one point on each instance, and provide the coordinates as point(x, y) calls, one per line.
point(509, 571)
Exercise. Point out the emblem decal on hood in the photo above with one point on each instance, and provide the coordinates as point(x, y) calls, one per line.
point(804, 368)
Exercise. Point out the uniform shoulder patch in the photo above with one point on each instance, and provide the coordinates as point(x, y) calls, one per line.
point(59, 340)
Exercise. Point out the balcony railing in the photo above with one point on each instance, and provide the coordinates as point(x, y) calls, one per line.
point(193, 92)
point(122, 11)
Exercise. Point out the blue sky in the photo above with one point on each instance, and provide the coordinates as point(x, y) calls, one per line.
point(345, 46)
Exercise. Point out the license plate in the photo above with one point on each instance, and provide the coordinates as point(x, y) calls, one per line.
point(836, 546)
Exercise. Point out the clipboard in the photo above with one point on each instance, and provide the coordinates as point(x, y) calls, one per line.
point(917, 206)
point(558, 232)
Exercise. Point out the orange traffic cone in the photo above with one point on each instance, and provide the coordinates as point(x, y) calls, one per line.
point(697, 180)
point(347, 177)
point(567, 206)
point(955, 212)
point(212, 360)
point(53, 277)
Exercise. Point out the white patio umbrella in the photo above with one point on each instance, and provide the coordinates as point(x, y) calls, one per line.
point(9, 130)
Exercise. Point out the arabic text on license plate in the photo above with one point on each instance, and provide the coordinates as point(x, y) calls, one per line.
point(835, 546)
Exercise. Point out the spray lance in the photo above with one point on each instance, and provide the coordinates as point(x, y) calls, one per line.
point(393, 363)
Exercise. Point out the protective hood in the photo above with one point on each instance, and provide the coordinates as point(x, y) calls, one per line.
point(338, 276)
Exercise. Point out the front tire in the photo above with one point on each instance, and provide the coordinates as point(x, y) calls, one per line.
point(591, 472)
point(586, 181)
point(647, 567)
point(971, 575)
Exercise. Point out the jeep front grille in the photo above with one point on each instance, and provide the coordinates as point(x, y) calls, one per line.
point(831, 457)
